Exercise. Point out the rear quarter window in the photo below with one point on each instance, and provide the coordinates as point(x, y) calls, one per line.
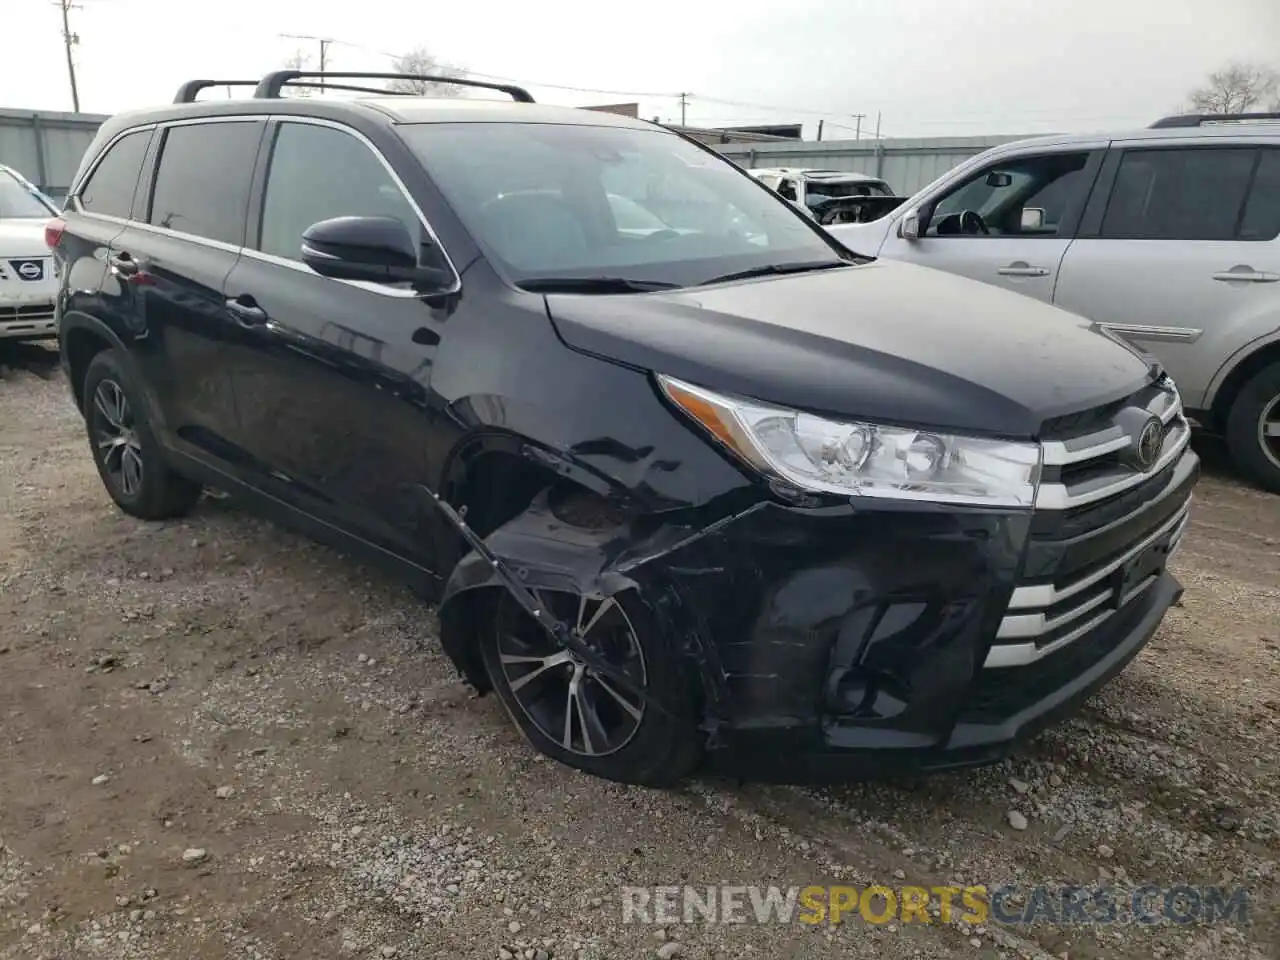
point(109, 189)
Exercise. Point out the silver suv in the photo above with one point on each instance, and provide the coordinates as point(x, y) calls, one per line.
point(1167, 236)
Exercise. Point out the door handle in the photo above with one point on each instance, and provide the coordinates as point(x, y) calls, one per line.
point(123, 265)
point(246, 311)
point(1247, 274)
point(1022, 269)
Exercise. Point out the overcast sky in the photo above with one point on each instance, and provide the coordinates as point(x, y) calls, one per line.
point(929, 67)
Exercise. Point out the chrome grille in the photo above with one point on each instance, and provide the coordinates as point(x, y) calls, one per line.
point(1101, 542)
point(26, 312)
point(1087, 466)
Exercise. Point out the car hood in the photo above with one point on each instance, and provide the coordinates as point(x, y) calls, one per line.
point(23, 238)
point(886, 341)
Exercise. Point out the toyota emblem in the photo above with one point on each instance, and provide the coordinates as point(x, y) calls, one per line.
point(30, 270)
point(1150, 443)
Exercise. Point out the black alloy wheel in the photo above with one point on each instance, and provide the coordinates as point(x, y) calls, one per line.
point(568, 701)
point(115, 438)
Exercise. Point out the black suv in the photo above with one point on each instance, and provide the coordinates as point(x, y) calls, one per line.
point(687, 478)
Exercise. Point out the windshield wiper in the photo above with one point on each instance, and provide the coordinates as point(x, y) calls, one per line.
point(778, 269)
point(593, 285)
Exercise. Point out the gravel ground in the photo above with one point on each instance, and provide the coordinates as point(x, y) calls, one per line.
point(219, 739)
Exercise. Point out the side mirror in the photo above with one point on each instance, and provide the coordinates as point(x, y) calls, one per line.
point(377, 249)
point(1033, 218)
point(909, 225)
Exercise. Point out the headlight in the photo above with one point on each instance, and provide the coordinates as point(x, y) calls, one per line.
point(864, 459)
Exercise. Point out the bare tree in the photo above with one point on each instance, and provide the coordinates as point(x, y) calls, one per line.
point(299, 61)
point(422, 62)
point(1238, 88)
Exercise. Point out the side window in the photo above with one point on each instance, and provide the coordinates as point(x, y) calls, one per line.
point(202, 184)
point(1179, 194)
point(1022, 197)
point(317, 173)
point(1261, 219)
point(109, 189)
point(787, 190)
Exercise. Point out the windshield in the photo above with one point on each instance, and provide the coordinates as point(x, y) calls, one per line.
point(19, 201)
point(562, 200)
point(815, 191)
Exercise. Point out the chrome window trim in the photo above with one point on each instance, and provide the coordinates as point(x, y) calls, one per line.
point(73, 195)
point(249, 251)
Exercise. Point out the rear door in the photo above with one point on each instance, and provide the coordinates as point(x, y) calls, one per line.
point(1009, 223)
point(97, 212)
point(332, 381)
point(1179, 253)
point(173, 261)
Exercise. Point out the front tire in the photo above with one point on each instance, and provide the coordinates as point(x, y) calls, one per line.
point(579, 718)
point(129, 459)
point(1253, 428)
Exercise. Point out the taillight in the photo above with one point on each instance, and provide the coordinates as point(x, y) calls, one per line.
point(53, 231)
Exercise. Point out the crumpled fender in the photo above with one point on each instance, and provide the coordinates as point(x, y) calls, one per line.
point(546, 553)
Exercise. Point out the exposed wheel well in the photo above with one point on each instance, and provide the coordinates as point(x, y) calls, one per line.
point(495, 486)
point(81, 346)
point(1238, 377)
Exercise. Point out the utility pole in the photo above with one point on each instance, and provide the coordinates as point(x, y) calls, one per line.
point(857, 131)
point(684, 102)
point(69, 40)
point(324, 50)
point(820, 122)
point(877, 124)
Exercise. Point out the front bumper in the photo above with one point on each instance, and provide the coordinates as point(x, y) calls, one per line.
point(870, 637)
point(1000, 713)
point(27, 317)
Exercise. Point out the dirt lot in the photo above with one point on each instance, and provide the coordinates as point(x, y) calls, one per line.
point(220, 685)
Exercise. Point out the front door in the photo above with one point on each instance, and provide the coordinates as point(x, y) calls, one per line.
point(1185, 260)
point(1008, 224)
point(331, 376)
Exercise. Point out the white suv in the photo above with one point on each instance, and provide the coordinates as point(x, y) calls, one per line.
point(1167, 236)
point(27, 281)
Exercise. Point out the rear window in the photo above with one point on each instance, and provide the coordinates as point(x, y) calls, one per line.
point(1171, 194)
point(1261, 219)
point(109, 189)
point(202, 185)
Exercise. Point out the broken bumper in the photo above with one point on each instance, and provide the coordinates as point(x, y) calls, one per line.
point(842, 642)
point(996, 713)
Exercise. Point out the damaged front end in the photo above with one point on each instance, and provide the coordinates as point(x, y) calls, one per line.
point(828, 641)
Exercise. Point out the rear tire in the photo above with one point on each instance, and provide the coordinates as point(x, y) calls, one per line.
point(129, 459)
point(1253, 428)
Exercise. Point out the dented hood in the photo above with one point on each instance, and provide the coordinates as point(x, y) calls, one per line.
point(886, 341)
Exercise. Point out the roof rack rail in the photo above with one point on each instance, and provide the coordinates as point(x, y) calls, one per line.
point(1198, 119)
point(270, 86)
point(188, 92)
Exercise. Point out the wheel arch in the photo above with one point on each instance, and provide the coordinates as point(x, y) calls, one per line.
point(494, 475)
point(1236, 376)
